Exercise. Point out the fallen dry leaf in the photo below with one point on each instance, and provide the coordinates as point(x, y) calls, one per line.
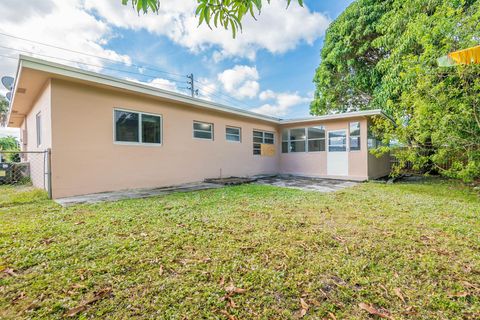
point(9, 272)
point(374, 311)
point(304, 304)
point(160, 271)
point(99, 295)
point(74, 311)
point(384, 289)
point(228, 315)
point(332, 316)
point(231, 289)
point(231, 303)
point(222, 281)
point(18, 297)
point(79, 222)
point(304, 308)
point(47, 240)
point(399, 294)
point(459, 295)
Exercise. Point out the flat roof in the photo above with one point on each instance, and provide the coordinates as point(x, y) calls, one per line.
point(56, 70)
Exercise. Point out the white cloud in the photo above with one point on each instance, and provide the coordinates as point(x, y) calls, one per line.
point(7, 132)
point(63, 23)
point(159, 83)
point(281, 104)
point(276, 29)
point(267, 95)
point(206, 89)
point(240, 81)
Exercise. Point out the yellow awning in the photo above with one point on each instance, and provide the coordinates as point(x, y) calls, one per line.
point(465, 56)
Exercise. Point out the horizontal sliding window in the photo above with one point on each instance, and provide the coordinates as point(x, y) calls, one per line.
point(303, 139)
point(262, 137)
point(203, 130)
point(137, 127)
point(233, 134)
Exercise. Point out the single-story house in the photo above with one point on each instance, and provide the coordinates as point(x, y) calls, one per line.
point(109, 134)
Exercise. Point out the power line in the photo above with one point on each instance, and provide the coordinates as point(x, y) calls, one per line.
point(91, 55)
point(221, 96)
point(89, 64)
point(212, 92)
point(230, 99)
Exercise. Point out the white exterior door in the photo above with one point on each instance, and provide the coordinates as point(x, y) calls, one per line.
point(337, 153)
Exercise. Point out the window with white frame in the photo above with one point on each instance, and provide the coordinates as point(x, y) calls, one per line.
point(262, 137)
point(203, 130)
point(137, 127)
point(354, 136)
point(316, 139)
point(298, 139)
point(38, 124)
point(233, 134)
point(310, 139)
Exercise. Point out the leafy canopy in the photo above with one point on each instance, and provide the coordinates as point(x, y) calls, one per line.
point(226, 13)
point(382, 54)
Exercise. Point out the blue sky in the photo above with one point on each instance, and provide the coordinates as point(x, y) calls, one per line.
point(268, 68)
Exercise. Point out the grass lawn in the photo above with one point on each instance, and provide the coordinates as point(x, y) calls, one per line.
point(404, 251)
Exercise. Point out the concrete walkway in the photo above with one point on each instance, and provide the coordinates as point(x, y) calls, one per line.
point(307, 184)
point(134, 193)
point(302, 183)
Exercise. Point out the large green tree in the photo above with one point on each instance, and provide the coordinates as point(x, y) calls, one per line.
point(382, 54)
point(225, 13)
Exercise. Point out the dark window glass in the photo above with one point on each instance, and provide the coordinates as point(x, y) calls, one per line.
point(257, 148)
point(337, 141)
point(202, 126)
point(203, 130)
point(150, 129)
point(232, 131)
point(297, 134)
point(232, 134)
point(202, 135)
point(285, 147)
point(39, 128)
point(297, 146)
point(126, 126)
point(316, 145)
point(316, 133)
point(354, 136)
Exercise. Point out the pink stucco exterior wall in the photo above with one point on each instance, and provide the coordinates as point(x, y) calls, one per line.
point(28, 136)
point(85, 158)
point(315, 163)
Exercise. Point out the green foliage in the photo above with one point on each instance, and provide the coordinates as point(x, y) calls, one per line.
point(10, 144)
point(4, 106)
point(383, 55)
point(224, 13)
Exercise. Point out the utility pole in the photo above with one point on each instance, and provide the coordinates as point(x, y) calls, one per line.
point(191, 82)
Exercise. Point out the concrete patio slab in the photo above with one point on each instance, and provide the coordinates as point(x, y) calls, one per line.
point(134, 193)
point(307, 183)
point(301, 183)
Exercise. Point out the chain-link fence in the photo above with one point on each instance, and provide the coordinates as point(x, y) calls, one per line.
point(26, 168)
